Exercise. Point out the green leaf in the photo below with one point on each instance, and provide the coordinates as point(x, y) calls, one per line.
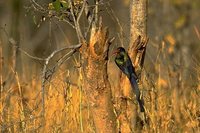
point(64, 4)
point(57, 5)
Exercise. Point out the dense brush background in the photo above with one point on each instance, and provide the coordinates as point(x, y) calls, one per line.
point(170, 79)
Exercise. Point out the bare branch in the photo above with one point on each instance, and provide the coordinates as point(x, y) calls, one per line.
point(96, 11)
point(49, 13)
point(72, 11)
point(76, 20)
point(37, 6)
point(59, 50)
point(65, 20)
point(44, 71)
point(14, 44)
point(81, 12)
point(12, 41)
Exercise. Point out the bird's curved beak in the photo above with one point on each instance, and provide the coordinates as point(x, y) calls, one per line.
point(115, 52)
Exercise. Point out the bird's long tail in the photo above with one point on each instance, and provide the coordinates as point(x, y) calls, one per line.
point(136, 90)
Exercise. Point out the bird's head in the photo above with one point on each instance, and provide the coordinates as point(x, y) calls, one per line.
point(120, 55)
point(119, 51)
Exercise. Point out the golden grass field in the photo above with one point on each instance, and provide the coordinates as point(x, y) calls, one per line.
point(172, 100)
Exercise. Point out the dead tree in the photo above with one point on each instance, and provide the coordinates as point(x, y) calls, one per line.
point(96, 84)
point(93, 66)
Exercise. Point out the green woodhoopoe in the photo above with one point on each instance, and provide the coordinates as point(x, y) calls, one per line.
point(124, 63)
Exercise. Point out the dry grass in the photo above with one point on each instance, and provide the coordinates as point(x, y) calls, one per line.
point(172, 104)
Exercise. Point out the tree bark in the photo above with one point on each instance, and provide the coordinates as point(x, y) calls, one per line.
point(96, 84)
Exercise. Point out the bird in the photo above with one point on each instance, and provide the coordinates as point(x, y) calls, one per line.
point(123, 61)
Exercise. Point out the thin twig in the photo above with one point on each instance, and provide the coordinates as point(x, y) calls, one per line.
point(49, 14)
point(64, 20)
point(14, 43)
point(38, 6)
point(81, 11)
point(72, 12)
point(115, 18)
point(76, 21)
point(96, 11)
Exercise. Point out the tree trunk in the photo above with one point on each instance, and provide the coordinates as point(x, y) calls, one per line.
point(96, 84)
point(138, 20)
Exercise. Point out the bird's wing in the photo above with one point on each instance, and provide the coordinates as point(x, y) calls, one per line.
point(122, 67)
point(131, 68)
